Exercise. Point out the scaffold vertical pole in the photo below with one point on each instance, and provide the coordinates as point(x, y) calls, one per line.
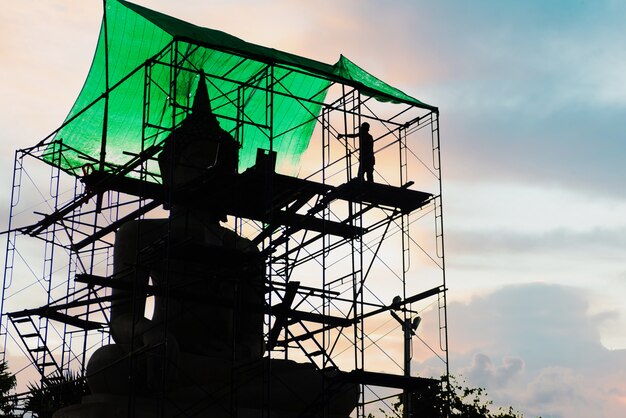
point(406, 264)
point(442, 298)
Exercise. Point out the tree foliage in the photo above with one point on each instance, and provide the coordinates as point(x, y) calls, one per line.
point(460, 402)
point(468, 402)
point(8, 400)
point(56, 392)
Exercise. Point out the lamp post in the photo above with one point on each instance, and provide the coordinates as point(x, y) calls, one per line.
point(408, 327)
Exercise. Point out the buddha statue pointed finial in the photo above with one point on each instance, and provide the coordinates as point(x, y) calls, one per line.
point(201, 101)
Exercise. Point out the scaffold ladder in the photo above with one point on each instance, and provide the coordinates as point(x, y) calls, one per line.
point(30, 334)
point(9, 259)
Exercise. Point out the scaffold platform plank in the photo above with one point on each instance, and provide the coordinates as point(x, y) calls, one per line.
point(269, 197)
point(253, 195)
point(51, 313)
point(387, 380)
point(401, 198)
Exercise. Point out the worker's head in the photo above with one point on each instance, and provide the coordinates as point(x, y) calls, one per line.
point(365, 126)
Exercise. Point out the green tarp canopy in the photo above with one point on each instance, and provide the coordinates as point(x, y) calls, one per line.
point(141, 45)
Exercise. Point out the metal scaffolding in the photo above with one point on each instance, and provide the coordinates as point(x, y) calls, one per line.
point(351, 267)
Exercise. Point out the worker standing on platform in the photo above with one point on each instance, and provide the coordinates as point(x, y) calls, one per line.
point(366, 151)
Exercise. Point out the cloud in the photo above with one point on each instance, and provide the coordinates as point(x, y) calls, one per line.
point(494, 242)
point(554, 385)
point(483, 372)
point(525, 92)
point(537, 348)
point(576, 148)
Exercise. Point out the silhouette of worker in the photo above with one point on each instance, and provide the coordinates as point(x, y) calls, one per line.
point(366, 151)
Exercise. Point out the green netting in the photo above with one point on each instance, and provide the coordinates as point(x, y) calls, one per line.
point(372, 86)
point(153, 64)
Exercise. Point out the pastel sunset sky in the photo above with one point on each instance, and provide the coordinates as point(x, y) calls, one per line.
point(532, 97)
